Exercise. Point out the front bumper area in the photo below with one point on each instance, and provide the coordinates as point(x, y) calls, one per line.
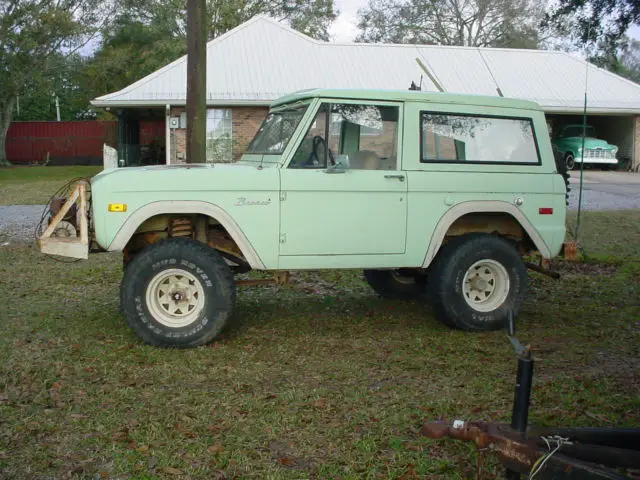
point(67, 234)
point(608, 161)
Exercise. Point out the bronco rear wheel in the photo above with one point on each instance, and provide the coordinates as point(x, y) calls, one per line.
point(477, 280)
point(177, 293)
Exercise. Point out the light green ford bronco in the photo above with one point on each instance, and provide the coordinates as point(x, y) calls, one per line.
point(435, 196)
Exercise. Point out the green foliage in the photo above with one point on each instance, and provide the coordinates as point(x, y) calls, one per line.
point(130, 50)
point(33, 36)
point(602, 22)
point(483, 23)
point(628, 60)
point(38, 40)
point(37, 102)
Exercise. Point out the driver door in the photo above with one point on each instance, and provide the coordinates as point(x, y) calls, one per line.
point(342, 192)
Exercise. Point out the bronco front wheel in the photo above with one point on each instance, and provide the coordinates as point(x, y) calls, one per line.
point(177, 293)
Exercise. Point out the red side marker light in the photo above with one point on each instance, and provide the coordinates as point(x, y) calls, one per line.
point(545, 211)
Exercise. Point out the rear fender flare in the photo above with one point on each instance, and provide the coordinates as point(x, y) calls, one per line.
point(492, 206)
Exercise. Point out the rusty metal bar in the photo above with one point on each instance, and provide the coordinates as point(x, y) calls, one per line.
point(279, 278)
point(516, 453)
point(196, 81)
point(254, 282)
point(544, 271)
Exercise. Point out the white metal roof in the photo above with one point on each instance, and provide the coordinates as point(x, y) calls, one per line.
point(262, 60)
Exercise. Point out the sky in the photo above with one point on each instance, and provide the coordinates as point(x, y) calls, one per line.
point(344, 28)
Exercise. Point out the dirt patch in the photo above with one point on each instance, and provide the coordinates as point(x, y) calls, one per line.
point(579, 268)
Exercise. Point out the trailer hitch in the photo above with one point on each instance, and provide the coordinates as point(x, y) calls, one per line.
point(552, 453)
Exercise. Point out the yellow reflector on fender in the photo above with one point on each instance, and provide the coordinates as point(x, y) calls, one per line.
point(117, 207)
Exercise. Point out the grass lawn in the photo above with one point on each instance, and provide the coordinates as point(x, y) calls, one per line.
point(35, 185)
point(317, 379)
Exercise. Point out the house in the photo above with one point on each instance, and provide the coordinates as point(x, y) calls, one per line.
point(261, 60)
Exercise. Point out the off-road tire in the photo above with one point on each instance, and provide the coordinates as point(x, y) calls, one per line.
point(447, 277)
point(201, 263)
point(387, 284)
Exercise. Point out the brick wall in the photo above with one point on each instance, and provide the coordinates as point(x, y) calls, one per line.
point(245, 123)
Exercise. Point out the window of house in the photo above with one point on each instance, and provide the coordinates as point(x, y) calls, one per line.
point(219, 135)
point(477, 139)
point(360, 137)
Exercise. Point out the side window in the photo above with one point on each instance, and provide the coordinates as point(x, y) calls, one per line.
point(312, 152)
point(476, 139)
point(357, 137)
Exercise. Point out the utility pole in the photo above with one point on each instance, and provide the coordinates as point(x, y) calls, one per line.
point(196, 81)
point(57, 109)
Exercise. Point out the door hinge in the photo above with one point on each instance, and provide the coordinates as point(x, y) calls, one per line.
point(283, 196)
point(283, 238)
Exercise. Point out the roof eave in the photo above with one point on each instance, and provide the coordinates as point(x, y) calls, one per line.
point(177, 102)
point(591, 110)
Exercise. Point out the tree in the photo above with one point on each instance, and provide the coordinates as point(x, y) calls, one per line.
point(630, 60)
point(311, 17)
point(600, 22)
point(34, 35)
point(129, 50)
point(148, 34)
point(480, 23)
point(37, 102)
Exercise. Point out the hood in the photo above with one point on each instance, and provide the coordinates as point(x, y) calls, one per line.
point(189, 177)
point(589, 142)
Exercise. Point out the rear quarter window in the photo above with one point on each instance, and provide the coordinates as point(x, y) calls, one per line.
point(458, 138)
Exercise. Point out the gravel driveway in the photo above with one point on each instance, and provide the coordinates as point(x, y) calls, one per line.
point(605, 190)
point(18, 222)
point(601, 191)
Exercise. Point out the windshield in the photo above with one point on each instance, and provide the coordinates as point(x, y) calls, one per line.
point(576, 131)
point(276, 131)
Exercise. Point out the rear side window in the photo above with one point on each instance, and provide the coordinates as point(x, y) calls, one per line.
point(477, 139)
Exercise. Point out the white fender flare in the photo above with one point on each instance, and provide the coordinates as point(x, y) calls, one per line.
point(186, 206)
point(490, 206)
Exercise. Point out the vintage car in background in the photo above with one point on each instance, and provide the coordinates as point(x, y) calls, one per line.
point(596, 151)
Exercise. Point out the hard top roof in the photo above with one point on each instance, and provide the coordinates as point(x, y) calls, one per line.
point(406, 96)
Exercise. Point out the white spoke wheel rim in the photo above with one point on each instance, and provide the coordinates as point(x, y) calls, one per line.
point(175, 298)
point(486, 285)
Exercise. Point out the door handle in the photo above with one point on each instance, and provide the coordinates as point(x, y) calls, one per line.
point(399, 177)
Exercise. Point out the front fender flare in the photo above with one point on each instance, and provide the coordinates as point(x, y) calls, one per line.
point(493, 206)
point(182, 207)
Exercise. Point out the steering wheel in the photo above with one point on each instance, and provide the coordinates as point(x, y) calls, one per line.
point(314, 158)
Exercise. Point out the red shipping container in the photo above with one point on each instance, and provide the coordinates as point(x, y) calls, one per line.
point(70, 143)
